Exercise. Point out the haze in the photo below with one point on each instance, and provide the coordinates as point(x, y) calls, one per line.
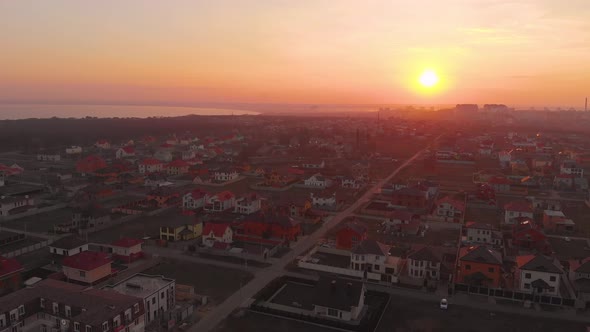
point(521, 52)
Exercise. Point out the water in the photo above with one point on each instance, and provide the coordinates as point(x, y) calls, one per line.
point(25, 111)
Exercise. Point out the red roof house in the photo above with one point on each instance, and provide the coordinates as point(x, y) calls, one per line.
point(350, 235)
point(90, 164)
point(87, 267)
point(517, 209)
point(10, 275)
point(127, 249)
point(217, 232)
point(527, 235)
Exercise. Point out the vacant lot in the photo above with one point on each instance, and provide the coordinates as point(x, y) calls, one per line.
point(215, 282)
point(413, 315)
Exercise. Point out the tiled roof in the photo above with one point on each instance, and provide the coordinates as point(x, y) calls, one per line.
point(540, 263)
point(337, 293)
point(424, 254)
point(518, 207)
point(9, 266)
point(370, 247)
point(151, 161)
point(178, 163)
point(127, 242)
point(453, 202)
point(68, 242)
point(87, 260)
point(224, 196)
point(358, 228)
point(480, 254)
point(217, 229)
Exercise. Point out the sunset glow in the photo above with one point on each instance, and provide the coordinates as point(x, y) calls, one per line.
point(428, 79)
point(509, 51)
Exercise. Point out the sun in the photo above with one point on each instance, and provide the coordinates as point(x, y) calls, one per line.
point(428, 78)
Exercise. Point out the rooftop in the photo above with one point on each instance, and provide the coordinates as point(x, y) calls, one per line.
point(87, 260)
point(141, 285)
point(337, 293)
point(68, 242)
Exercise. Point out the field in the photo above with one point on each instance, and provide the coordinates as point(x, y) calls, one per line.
point(215, 282)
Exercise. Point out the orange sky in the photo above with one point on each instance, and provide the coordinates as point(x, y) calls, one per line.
point(527, 52)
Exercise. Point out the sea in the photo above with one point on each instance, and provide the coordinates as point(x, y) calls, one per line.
point(28, 111)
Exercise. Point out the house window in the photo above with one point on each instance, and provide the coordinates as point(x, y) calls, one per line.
point(21, 310)
point(154, 300)
point(527, 286)
point(68, 311)
point(467, 267)
point(332, 312)
point(527, 275)
point(491, 270)
point(88, 328)
point(376, 267)
point(42, 303)
point(162, 295)
point(552, 278)
point(55, 308)
point(105, 326)
point(136, 308)
point(76, 327)
point(83, 274)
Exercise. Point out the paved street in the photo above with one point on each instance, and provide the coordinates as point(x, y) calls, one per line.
point(267, 275)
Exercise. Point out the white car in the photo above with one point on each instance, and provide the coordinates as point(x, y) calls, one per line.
point(444, 304)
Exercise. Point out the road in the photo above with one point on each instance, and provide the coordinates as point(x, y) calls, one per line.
point(265, 276)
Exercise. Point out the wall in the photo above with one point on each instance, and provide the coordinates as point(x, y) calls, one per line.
point(539, 275)
point(91, 276)
point(28, 249)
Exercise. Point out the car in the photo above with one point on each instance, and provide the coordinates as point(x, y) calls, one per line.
point(444, 304)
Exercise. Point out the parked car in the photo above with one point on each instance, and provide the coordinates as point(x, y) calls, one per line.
point(444, 304)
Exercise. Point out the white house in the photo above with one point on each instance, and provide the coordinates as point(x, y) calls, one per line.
point(479, 233)
point(570, 167)
point(517, 209)
point(424, 264)
point(339, 299)
point(150, 165)
point(195, 199)
point(314, 165)
point(373, 257)
point(68, 246)
point(188, 154)
point(220, 202)
point(317, 180)
point(449, 209)
point(217, 233)
point(48, 156)
point(324, 201)
point(351, 183)
point(163, 155)
point(8, 204)
point(224, 175)
point(248, 204)
point(103, 144)
point(538, 275)
point(127, 249)
point(125, 152)
point(74, 149)
point(157, 292)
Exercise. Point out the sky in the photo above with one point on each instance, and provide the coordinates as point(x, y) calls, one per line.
point(518, 52)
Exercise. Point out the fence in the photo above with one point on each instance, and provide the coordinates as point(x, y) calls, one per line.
point(33, 212)
point(514, 295)
point(27, 249)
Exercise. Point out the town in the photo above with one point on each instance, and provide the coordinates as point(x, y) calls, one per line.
point(357, 223)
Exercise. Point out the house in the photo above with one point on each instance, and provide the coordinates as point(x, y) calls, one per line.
point(371, 256)
point(49, 303)
point(424, 264)
point(217, 233)
point(85, 218)
point(74, 149)
point(150, 165)
point(222, 201)
point(276, 227)
point(164, 196)
point(398, 217)
point(157, 292)
point(581, 281)
point(410, 197)
point(570, 167)
point(350, 235)
point(517, 209)
point(156, 180)
point(500, 184)
point(248, 204)
point(195, 199)
point(360, 170)
point(351, 183)
point(90, 164)
point(188, 155)
point(481, 233)
point(538, 275)
point(68, 246)
point(449, 209)
point(317, 180)
point(479, 266)
point(181, 228)
point(339, 299)
point(103, 144)
point(10, 276)
point(125, 152)
point(324, 201)
point(15, 205)
point(542, 203)
point(556, 222)
point(527, 235)
point(177, 167)
point(312, 165)
point(48, 156)
point(164, 155)
point(87, 267)
point(225, 174)
point(564, 182)
point(127, 249)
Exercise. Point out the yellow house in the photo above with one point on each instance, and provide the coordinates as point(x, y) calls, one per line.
point(181, 228)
